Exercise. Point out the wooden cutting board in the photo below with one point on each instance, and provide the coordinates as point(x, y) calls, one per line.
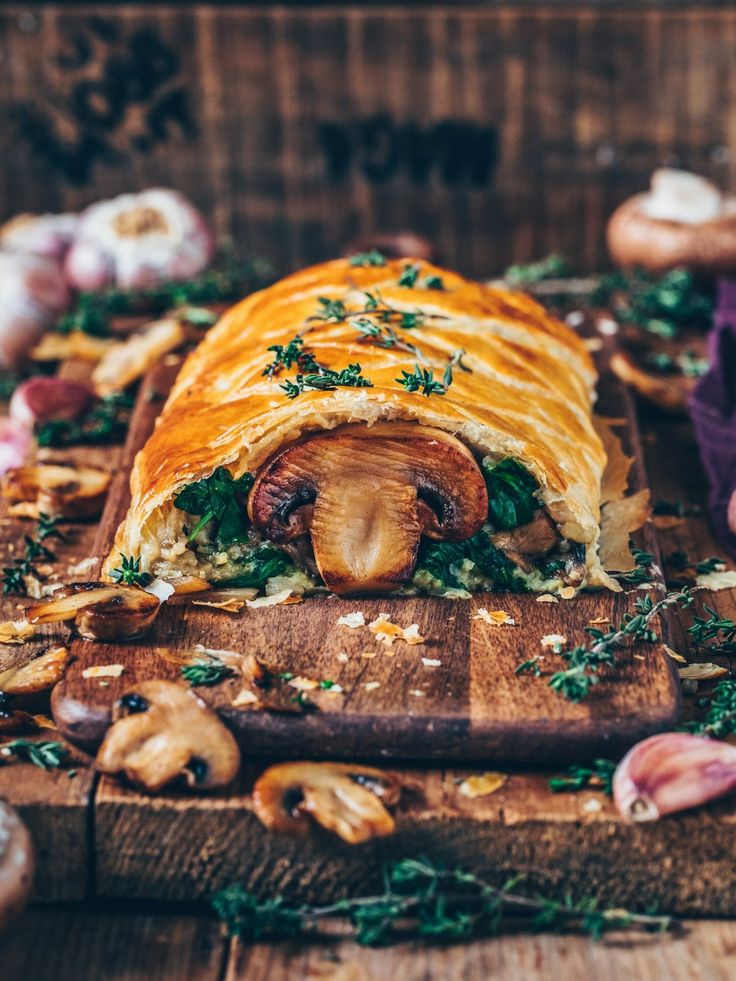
point(393, 705)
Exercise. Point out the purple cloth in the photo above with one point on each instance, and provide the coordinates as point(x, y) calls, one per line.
point(713, 410)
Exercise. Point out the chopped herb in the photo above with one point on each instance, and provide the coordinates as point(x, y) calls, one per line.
point(599, 775)
point(330, 311)
point(553, 267)
point(409, 275)
point(326, 684)
point(658, 304)
point(642, 571)
point(720, 720)
point(372, 258)
point(46, 755)
point(265, 563)
point(107, 422)
point(206, 672)
point(434, 283)
point(713, 564)
point(530, 667)
point(128, 573)
point(220, 499)
point(511, 493)
point(327, 380)
point(426, 900)
point(287, 355)
point(14, 576)
point(422, 380)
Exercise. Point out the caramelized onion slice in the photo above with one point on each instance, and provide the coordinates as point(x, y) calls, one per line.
point(100, 611)
point(59, 489)
point(162, 732)
point(345, 798)
point(366, 495)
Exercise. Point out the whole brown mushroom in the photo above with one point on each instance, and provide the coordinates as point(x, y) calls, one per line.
point(682, 221)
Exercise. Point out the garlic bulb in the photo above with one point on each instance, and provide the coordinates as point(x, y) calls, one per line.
point(677, 195)
point(40, 399)
point(672, 772)
point(136, 240)
point(33, 294)
point(44, 235)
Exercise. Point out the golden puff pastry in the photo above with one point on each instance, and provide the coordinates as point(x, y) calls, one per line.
point(453, 378)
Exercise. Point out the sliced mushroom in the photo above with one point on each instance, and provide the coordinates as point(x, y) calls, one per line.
point(37, 674)
point(16, 864)
point(345, 798)
point(77, 345)
point(59, 489)
point(100, 611)
point(366, 495)
point(528, 541)
point(131, 359)
point(162, 732)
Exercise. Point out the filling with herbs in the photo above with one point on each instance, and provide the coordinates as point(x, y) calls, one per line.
point(517, 549)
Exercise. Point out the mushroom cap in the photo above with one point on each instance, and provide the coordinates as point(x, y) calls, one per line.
point(101, 611)
point(682, 221)
point(16, 864)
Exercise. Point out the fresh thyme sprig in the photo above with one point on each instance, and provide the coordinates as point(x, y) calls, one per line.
point(47, 754)
point(335, 312)
point(409, 275)
point(326, 380)
point(128, 573)
point(14, 576)
point(642, 571)
point(720, 719)
point(598, 776)
point(206, 672)
point(721, 631)
point(422, 380)
point(585, 663)
point(288, 355)
point(422, 899)
point(384, 336)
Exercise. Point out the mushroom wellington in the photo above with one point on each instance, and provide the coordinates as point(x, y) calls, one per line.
point(373, 425)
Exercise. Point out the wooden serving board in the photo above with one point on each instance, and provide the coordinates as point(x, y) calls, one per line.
point(393, 705)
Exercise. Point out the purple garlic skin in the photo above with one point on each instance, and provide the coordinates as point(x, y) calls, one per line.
point(34, 294)
point(48, 236)
point(137, 240)
point(672, 772)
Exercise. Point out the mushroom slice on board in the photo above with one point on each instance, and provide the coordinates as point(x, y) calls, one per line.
point(347, 799)
point(100, 611)
point(37, 674)
point(162, 732)
point(59, 489)
point(366, 495)
point(16, 864)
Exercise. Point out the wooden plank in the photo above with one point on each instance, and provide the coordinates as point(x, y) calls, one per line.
point(84, 942)
point(471, 706)
point(484, 127)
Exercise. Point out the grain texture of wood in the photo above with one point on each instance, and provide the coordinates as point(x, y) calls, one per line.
point(391, 704)
point(485, 127)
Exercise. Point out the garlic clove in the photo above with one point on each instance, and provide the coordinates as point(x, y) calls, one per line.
point(672, 772)
point(15, 444)
point(34, 293)
point(40, 399)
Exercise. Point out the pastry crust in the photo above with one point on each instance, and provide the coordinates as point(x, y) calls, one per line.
point(529, 394)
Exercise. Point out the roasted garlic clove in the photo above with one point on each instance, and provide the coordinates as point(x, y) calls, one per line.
point(347, 799)
point(59, 489)
point(40, 399)
point(162, 732)
point(37, 674)
point(366, 495)
point(16, 864)
point(126, 362)
point(672, 772)
point(100, 611)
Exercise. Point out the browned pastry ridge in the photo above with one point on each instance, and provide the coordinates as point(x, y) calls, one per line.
point(527, 393)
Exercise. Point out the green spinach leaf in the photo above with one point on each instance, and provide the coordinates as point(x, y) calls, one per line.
point(221, 499)
point(511, 489)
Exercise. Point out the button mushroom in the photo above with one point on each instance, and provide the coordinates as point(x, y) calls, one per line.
point(345, 798)
point(59, 489)
point(366, 495)
point(100, 611)
point(16, 864)
point(528, 541)
point(162, 732)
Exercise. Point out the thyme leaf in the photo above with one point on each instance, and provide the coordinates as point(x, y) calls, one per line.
point(46, 754)
point(206, 672)
point(326, 380)
point(372, 258)
point(14, 576)
point(422, 380)
point(128, 573)
point(720, 720)
point(599, 775)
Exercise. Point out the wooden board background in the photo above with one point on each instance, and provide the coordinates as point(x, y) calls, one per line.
point(501, 131)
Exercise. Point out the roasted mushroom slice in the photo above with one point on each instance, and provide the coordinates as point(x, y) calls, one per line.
point(130, 360)
point(366, 495)
point(529, 541)
point(162, 732)
point(345, 798)
point(100, 611)
point(59, 489)
point(16, 864)
point(36, 674)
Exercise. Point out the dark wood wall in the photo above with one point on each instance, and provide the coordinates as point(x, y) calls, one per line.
point(503, 132)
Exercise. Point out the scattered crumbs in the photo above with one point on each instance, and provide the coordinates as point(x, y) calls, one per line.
point(482, 784)
point(592, 806)
point(81, 568)
point(417, 693)
point(431, 662)
point(567, 592)
point(639, 657)
point(352, 620)
point(303, 684)
point(599, 620)
point(104, 671)
point(722, 579)
point(44, 722)
point(575, 318)
point(16, 631)
point(342, 656)
point(368, 655)
point(674, 655)
point(554, 641)
point(607, 326)
point(282, 597)
point(388, 632)
point(496, 618)
point(546, 598)
point(231, 605)
point(245, 697)
point(332, 689)
point(702, 672)
point(645, 586)
point(372, 685)
point(103, 684)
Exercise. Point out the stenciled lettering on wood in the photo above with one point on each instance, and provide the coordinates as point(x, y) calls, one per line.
point(109, 74)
